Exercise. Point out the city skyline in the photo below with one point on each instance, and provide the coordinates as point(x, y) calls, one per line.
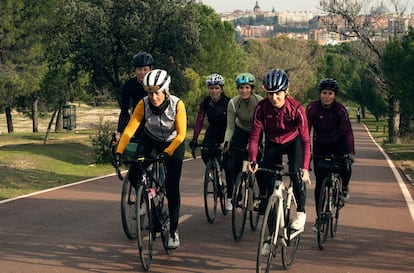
point(222, 6)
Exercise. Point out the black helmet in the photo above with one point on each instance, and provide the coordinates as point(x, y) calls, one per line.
point(275, 80)
point(142, 59)
point(328, 84)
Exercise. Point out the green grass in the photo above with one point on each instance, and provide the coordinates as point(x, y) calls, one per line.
point(27, 165)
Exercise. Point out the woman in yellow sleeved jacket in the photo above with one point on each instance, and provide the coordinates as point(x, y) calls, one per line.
point(165, 130)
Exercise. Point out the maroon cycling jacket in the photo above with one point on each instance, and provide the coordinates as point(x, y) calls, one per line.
point(330, 124)
point(280, 126)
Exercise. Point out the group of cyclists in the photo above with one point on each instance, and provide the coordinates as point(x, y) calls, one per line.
point(240, 125)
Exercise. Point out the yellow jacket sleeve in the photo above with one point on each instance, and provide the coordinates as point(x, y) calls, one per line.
point(131, 127)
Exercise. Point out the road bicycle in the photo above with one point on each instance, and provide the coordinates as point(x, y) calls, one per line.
point(151, 215)
point(215, 186)
point(330, 197)
point(246, 200)
point(276, 234)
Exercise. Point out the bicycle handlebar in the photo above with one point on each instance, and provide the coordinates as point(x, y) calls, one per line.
point(140, 161)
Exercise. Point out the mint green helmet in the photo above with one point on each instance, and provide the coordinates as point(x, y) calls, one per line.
point(245, 78)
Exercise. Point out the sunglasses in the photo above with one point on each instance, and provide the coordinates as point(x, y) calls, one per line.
point(152, 88)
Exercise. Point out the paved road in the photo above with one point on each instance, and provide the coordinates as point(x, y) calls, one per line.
point(78, 229)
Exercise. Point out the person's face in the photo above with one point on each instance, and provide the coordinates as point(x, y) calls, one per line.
point(277, 98)
point(245, 91)
point(215, 92)
point(156, 98)
point(140, 72)
point(327, 97)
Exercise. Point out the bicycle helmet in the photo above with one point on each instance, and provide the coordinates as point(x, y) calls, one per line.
point(215, 79)
point(157, 80)
point(245, 78)
point(328, 84)
point(142, 59)
point(275, 80)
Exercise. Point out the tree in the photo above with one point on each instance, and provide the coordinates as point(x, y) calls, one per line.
point(359, 25)
point(398, 64)
point(22, 65)
point(300, 59)
point(100, 37)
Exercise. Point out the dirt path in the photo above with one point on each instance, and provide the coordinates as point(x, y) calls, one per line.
point(87, 117)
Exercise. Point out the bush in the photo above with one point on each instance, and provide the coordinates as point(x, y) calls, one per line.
point(100, 142)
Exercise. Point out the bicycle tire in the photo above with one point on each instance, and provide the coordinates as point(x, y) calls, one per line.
point(269, 230)
point(222, 191)
point(338, 204)
point(254, 213)
point(210, 192)
point(289, 250)
point(128, 214)
point(145, 227)
point(239, 211)
point(323, 214)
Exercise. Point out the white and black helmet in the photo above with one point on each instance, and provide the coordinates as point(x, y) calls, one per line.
point(157, 80)
point(215, 79)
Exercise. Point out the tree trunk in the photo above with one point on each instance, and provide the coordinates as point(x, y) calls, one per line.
point(394, 120)
point(49, 126)
point(35, 114)
point(9, 119)
point(59, 119)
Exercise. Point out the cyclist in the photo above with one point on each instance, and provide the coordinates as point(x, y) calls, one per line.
point(214, 107)
point(332, 132)
point(285, 128)
point(133, 90)
point(164, 133)
point(239, 118)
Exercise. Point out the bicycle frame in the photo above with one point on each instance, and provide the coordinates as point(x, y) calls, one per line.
point(283, 209)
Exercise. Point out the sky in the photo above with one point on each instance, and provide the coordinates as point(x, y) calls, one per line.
point(280, 5)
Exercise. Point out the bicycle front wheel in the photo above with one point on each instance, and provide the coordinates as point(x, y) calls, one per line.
point(337, 205)
point(324, 215)
point(239, 211)
point(222, 191)
point(210, 192)
point(128, 213)
point(255, 194)
point(268, 240)
point(145, 227)
point(292, 238)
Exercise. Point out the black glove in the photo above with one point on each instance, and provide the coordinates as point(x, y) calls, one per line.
point(116, 162)
point(162, 157)
point(193, 144)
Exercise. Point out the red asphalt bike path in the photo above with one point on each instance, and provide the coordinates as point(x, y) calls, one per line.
point(77, 228)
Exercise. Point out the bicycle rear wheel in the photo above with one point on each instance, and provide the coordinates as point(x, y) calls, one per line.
point(239, 211)
point(128, 213)
point(210, 192)
point(254, 212)
point(324, 215)
point(268, 235)
point(289, 249)
point(145, 227)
